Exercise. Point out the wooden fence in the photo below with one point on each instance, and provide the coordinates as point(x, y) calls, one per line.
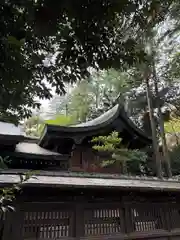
point(54, 220)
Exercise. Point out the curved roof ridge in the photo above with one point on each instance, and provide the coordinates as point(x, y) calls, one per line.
point(97, 123)
point(103, 118)
point(112, 120)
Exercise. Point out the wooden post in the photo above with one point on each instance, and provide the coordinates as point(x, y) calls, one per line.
point(79, 219)
point(122, 219)
point(128, 219)
point(7, 231)
point(16, 224)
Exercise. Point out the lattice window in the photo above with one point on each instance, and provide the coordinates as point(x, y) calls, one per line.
point(147, 217)
point(43, 164)
point(102, 221)
point(174, 216)
point(46, 225)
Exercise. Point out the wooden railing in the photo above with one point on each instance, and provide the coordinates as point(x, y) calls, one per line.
point(93, 221)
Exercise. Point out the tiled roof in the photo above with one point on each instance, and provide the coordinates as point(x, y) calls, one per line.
point(33, 148)
point(147, 184)
point(10, 129)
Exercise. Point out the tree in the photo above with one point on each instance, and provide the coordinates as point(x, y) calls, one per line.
point(33, 126)
point(155, 78)
point(119, 154)
point(172, 29)
point(161, 124)
point(147, 73)
point(152, 62)
point(95, 95)
point(172, 68)
point(58, 42)
point(108, 86)
point(148, 43)
point(81, 99)
point(58, 105)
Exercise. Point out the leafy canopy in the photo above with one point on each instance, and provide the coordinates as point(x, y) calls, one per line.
point(46, 44)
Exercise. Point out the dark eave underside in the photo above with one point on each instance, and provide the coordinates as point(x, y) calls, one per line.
point(11, 139)
point(117, 113)
point(32, 151)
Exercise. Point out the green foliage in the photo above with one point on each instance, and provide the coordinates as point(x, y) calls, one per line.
point(58, 105)
point(112, 144)
point(106, 87)
point(173, 17)
point(7, 194)
point(107, 143)
point(96, 94)
point(172, 126)
point(3, 162)
point(79, 35)
point(61, 120)
point(172, 68)
point(33, 126)
point(173, 143)
point(81, 99)
point(35, 131)
point(175, 159)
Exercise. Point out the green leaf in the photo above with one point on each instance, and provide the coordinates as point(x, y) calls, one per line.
point(112, 144)
point(2, 163)
point(13, 41)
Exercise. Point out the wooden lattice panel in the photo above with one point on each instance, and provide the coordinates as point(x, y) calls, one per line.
point(147, 217)
point(173, 213)
point(46, 224)
point(102, 221)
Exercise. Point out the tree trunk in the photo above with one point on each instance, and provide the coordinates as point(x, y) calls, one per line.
point(161, 125)
point(124, 168)
point(153, 126)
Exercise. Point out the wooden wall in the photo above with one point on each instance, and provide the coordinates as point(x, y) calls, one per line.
point(85, 159)
point(104, 215)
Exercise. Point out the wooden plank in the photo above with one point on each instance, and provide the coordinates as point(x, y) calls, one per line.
point(154, 235)
point(101, 205)
point(40, 206)
point(79, 220)
point(17, 223)
point(7, 234)
point(122, 220)
point(128, 219)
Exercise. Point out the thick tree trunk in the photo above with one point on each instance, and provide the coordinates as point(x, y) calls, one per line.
point(161, 126)
point(153, 127)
